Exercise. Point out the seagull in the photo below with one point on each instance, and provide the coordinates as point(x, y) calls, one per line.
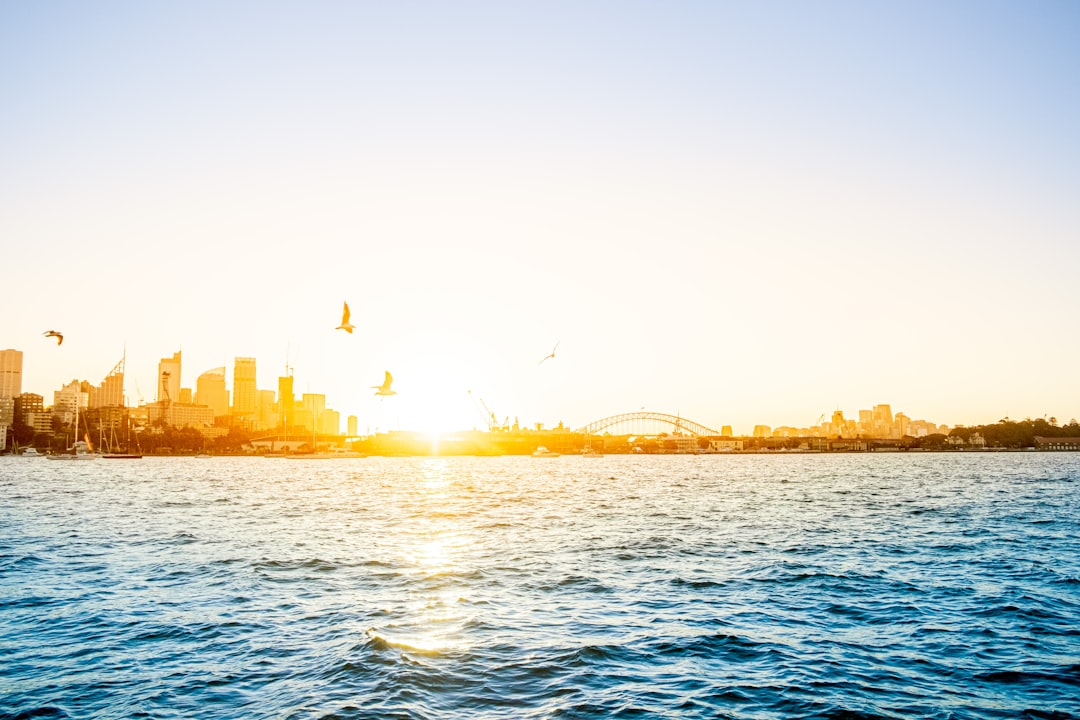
point(345, 325)
point(384, 389)
point(53, 333)
point(552, 355)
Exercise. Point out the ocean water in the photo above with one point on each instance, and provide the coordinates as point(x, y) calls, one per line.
point(800, 586)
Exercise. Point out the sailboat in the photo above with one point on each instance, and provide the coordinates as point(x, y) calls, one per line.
point(80, 449)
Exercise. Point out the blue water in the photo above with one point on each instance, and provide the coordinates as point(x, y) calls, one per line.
point(825, 586)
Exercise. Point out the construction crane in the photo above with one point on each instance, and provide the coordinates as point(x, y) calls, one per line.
point(489, 417)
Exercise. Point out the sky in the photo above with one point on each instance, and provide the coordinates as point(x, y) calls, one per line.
point(739, 212)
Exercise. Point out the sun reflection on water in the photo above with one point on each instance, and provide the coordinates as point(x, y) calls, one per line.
point(433, 542)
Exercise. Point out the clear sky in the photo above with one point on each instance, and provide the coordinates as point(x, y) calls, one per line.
point(741, 212)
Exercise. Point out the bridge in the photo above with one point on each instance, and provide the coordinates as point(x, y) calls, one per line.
point(647, 423)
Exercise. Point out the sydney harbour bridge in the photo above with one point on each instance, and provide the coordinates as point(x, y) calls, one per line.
point(647, 423)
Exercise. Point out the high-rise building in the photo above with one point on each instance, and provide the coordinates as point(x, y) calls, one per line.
point(245, 394)
point(66, 399)
point(28, 403)
point(353, 425)
point(11, 373)
point(111, 391)
point(266, 417)
point(286, 400)
point(210, 391)
point(169, 379)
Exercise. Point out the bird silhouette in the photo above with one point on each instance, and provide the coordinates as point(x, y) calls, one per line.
point(53, 333)
point(384, 389)
point(345, 325)
point(552, 355)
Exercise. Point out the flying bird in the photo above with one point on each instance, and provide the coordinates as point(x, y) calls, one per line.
point(384, 389)
point(552, 355)
point(53, 333)
point(345, 325)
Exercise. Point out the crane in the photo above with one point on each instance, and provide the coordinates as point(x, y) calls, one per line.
point(489, 417)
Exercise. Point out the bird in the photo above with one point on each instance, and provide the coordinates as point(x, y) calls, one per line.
point(53, 333)
point(552, 355)
point(345, 324)
point(384, 389)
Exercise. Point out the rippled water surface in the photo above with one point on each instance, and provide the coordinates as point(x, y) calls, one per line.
point(944, 586)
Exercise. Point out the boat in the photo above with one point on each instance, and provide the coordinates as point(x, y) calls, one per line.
point(121, 456)
point(543, 452)
point(332, 454)
point(591, 452)
point(31, 452)
point(79, 451)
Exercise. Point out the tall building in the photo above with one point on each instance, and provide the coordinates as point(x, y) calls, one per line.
point(111, 391)
point(353, 424)
point(210, 391)
point(66, 399)
point(11, 373)
point(169, 379)
point(286, 400)
point(266, 417)
point(245, 395)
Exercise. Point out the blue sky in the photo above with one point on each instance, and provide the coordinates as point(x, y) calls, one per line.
point(742, 212)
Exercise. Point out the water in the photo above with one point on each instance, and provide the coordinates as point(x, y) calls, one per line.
point(897, 586)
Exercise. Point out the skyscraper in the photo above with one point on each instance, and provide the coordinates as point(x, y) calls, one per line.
point(11, 373)
point(169, 378)
point(245, 394)
point(286, 400)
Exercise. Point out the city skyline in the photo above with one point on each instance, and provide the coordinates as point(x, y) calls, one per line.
point(739, 213)
point(260, 408)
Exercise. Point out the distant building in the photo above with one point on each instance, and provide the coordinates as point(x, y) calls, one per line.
point(111, 391)
point(353, 424)
point(245, 393)
point(286, 400)
point(28, 403)
point(266, 416)
point(1057, 443)
point(169, 378)
point(725, 431)
point(180, 414)
point(67, 398)
point(11, 362)
point(716, 445)
point(762, 431)
point(210, 391)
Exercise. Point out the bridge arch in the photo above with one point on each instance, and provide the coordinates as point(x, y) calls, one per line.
point(647, 423)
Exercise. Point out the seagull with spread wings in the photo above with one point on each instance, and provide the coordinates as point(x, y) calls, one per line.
point(345, 324)
point(53, 333)
point(384, 389)
point(552, 355)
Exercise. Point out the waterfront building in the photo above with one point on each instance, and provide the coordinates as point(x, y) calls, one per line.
point(210, 391)
point(762, 431)
point(7, 411)
point(169, 378)
point(11, 362)
point(28, 403)
point(1057, 443)
point(40, 420)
